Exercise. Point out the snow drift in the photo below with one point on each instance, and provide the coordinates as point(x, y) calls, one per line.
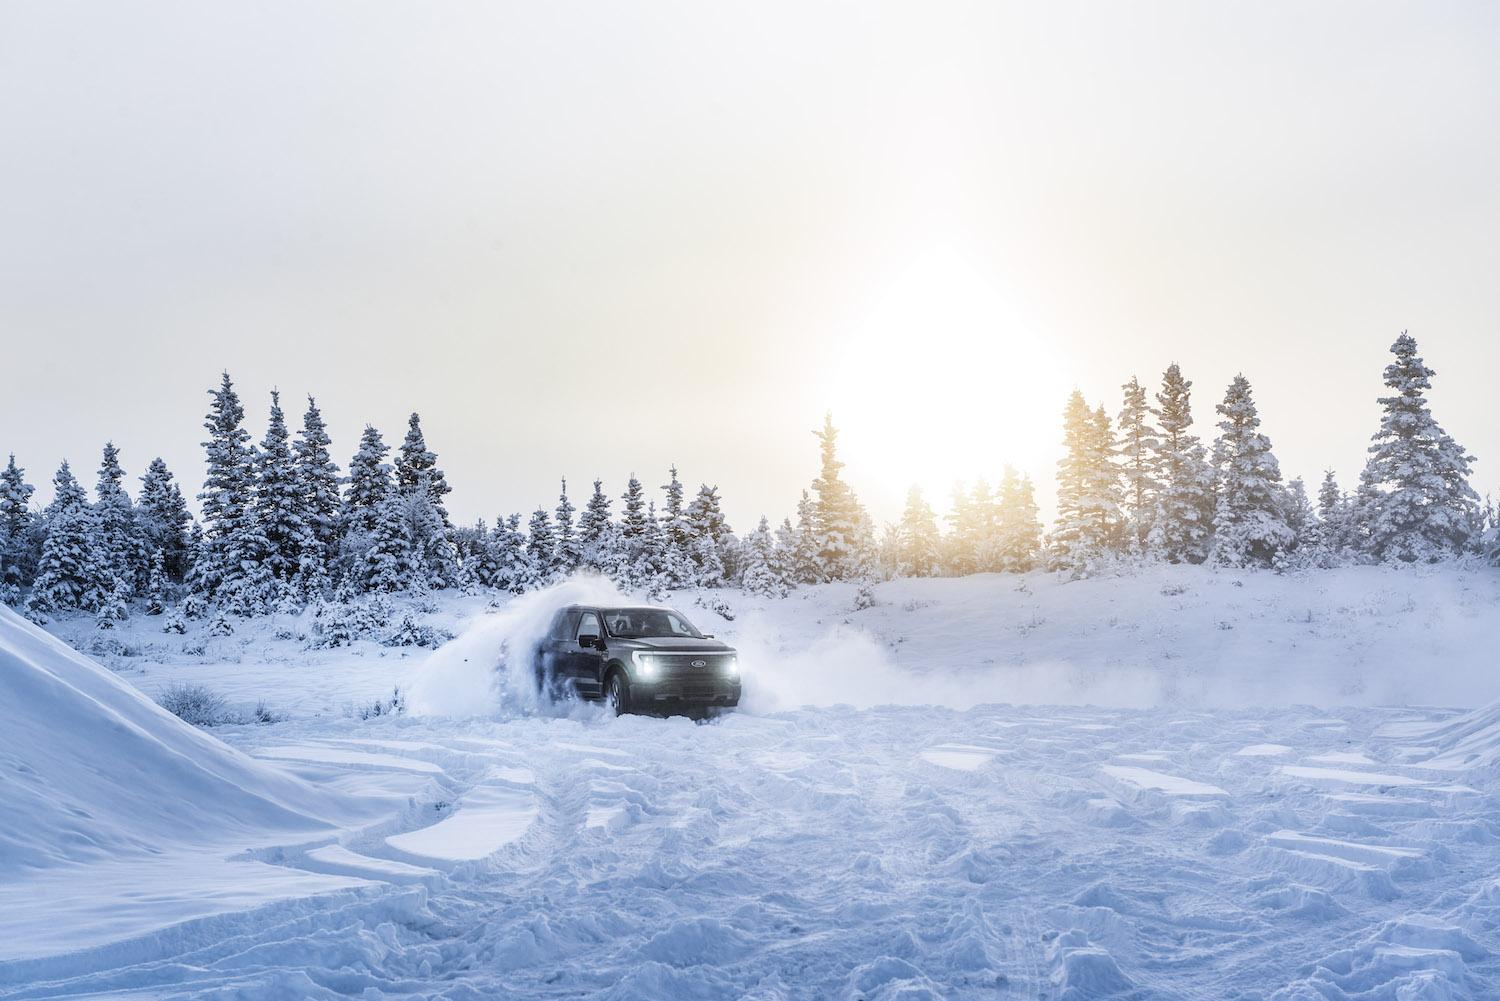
point(90, 768)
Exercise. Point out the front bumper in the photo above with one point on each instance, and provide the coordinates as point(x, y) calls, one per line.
point(687, 691)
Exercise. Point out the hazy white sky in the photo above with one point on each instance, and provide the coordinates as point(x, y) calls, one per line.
point(588, 238)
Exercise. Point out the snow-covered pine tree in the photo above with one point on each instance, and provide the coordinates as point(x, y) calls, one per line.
point(388, 564)
point(67, 575)
point(710, 539)
point(567, 555)
point(677, 567)
point(67, 492)
point(1088, 512)
point(804, 554)
point(114, 604)
point(759, 575)
point(1421, 507)
point(416, 463)
point(369, 483)
point(958, 544)
point(1138, 450)
point(280, 502)
point(648, 572)
point(163, 518)
point(1332, 521)
point(17, 557)
point(1250, 526)
point(636, 543)
point(434, 560)
point(232, 571)
point(918, 544)
point(318, 482)
point(156, 583)
point(1020, 523)
point(1181, 525)
point(597, 542)
point(1301, 518)
point(1492, 533)
point(119, 551)
point(837, 511)
point(541, 551)
point(512, 566)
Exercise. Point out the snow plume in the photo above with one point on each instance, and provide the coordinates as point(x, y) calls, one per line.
point(486, 670)
point(846, 665)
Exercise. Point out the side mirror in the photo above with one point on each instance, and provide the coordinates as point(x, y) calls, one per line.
point(589, 642)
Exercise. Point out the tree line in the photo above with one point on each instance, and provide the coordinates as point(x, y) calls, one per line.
point(282, 526)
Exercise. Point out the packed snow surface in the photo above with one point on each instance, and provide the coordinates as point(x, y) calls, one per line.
point(1173, 845)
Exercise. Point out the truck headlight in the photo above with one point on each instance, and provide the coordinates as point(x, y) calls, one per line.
point(647, 665)
point(732, 667)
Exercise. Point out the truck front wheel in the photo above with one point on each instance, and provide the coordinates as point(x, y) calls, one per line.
point(618, 693)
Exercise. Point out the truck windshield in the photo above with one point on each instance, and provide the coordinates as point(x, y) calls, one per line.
point(647, 623)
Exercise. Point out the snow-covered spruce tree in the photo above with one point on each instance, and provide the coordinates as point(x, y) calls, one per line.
point(1301, 517)
point(1181, 525)
point(759, 574)
point(434, 560)
point(508, 545)
point(1088, 511)
point(541, 551)
point(415, 463)
point(119, 550)
point(114, 604)
point(1332, 522)
point(1492, 534)
point(710, 540)
point(67, 493)
point(703, 546)
point(280, 504)
point(597, 543)
point(918, 544)
point(1419, 504)
point(163, 518)
point(1138, 450)
point(804, 553)
point(1250, 526)
point(958, 544)
point(677, 567)
point(67, 575)
point(567, 555)
point(17, 559)
point(837, 511)
point(1020, 525)
point(232, 571)
point(388, 564)
point(156, 583)
point(630, 566)
point(369, 483)
point(318, 482)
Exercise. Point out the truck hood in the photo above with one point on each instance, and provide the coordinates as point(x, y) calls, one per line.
point(680, 644)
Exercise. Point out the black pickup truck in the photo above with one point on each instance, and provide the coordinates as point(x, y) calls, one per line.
point(636, 658)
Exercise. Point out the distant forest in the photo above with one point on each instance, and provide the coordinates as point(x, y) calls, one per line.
point(282, 526)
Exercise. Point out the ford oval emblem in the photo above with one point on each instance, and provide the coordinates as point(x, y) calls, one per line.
point(700, 663)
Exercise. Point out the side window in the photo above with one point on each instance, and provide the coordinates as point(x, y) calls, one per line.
point(588, 625)
point(560, 630)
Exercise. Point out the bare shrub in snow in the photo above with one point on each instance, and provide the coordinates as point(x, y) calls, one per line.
point(396, 704)
point(864, 597)
point(715, 604)
point(195, 704)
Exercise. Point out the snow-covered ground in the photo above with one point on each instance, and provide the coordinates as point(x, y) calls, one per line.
point(1204, 785)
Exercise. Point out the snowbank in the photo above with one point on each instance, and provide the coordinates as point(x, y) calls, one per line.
point(91, 769)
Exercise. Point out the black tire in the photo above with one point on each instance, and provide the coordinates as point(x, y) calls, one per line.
point(617, 693)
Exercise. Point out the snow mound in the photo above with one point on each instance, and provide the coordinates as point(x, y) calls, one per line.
point(90, 768)
point(1464, 742)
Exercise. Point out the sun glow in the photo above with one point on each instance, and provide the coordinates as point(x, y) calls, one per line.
point(944, 378)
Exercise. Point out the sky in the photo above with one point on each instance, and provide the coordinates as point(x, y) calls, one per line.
point(586, 239)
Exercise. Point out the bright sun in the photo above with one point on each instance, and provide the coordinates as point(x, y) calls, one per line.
point(944, 379)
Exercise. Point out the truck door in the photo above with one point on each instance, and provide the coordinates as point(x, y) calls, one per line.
point(552, 657)
point(586, 664)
